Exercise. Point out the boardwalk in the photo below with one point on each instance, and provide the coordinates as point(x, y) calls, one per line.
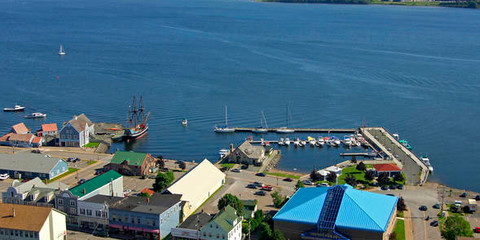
point(304, 130)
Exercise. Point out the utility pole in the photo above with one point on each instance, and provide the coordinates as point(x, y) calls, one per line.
point(248, 229)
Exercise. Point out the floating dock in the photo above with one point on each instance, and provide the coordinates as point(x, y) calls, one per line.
point(304, 130)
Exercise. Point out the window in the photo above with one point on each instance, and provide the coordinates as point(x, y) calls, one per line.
point(72, 203)
point(119, 218)
point(148, 221)
point(204, 234)
point(133, 220)
point(126, 218)
point(82, 211)
point(60, 201)
point(98, 213)
point(73, 211)
point(89, 212)
point(138, 220)
point(154, 223)
point(114, 217)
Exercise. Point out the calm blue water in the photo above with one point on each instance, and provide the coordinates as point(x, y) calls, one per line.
point(412, 70)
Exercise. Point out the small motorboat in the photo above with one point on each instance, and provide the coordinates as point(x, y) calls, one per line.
point(296, 142)
point(184, 122)
point(223, 152)
point(285, 130)
point(347, 141)
point(16, 108)
point(36, 115)
point(311, 141)
point(287, 141)
point(260, 130)
point(281, 142)
point(303, 143)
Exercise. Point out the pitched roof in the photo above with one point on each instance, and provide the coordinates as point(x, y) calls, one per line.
point(79, 122)
point(95, 183)
point(387, 167)
point(197, 183)
point(28, 162)
point(250, 150)
point(49, 127)
point(5, 137)
point(21, 137)
point(37, 140)
point(358, 209)
point(196, 221)
point(226, 218)
point(133, 158)
point(28, 218)
point(20, 128)
point(157, 204)
point(27, 186)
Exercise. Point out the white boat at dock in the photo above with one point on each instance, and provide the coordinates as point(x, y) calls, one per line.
point(284, 130)
point(223, 152)
point(426, 160)
point(303, 143)
point(225, 129)
point(36, 115)
point(296, 142)
point(347, 142)
point(16, 108)
point(281, 142)
point(320, 142)
point(311, 141)
point(287, 141)
point(263, 126)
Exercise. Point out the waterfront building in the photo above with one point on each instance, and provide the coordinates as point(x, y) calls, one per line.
point(33, 192)
point(76, 132)
point(93, 212)
point(225, 225)
point(21, 140)
point(197, 185)
point(31, 222)
point(31, 165)
point(390, 168)
point(142, 217)
point(20, 128)
point(132, 163)
point(49, 129)
point(109, 183)
point(338, 212)
point(247, 153)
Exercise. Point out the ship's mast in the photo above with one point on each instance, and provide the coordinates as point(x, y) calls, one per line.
point(134, 112)
point(141, 109)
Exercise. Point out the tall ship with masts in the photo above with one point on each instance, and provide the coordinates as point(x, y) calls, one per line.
point(137, 121)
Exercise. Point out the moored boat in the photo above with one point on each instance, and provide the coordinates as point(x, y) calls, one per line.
point(61, 51)
point(225, 129)
point(36, 115)
point(426, 160)
point(287, 141)
point(184, 122)
point(263, 125)
point(16, 108)
point(311, 141)
point(138, 122)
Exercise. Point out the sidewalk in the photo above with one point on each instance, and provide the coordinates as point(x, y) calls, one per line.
point(408, 225)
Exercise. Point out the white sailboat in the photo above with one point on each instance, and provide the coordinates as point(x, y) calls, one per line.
point(262, 129)
point(61, 52)
point(225, 129)
point(286, 129)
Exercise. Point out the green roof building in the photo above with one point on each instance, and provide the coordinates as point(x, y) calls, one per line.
point(132, 163)
point(249, 208)
point(225, 225)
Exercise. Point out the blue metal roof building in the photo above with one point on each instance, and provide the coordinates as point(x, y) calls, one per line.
point(338, 212)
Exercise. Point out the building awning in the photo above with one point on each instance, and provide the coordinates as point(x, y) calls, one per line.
point(134, 228)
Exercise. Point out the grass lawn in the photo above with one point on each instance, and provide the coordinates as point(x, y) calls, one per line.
point(400, 229)
point(70, 171)
point(229, 165)
point(284, 175)
point(359, 175)
point(91, 162)
point(92, 144)
point(400, 214)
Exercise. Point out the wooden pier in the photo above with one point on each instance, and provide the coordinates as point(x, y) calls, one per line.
point(304, 130)
point(361, 154)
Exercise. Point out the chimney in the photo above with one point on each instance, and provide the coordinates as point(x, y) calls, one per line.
point(231, 147)
point(13, 214)
point(84, 191)
point(148, 201)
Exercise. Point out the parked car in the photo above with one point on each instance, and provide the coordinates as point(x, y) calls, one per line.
point(82, 181)
point(258, 184)
point(436, 206)
point(261, 174)
point(477, 197)
point(261, 193)
point(251, 185)
point(36, 151)
point(307, 182)
point(434, 223)
point(423, 208)
point(244, 166)
point(76, 160)
point(288, 179)
point(400, 186)
point(477, 230)
point(267, 188)
point(4, 176)
point(463, 194)
point(392, 187)
point(384, 187)
point(236, 170)
point(323, 185)
point(126, 192)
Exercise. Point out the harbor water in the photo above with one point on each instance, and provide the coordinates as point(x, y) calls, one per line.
point(412, 70)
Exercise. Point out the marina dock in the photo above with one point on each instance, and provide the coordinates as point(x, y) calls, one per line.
point(304, 130)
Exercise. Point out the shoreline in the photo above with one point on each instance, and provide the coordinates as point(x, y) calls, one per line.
point(451, 4)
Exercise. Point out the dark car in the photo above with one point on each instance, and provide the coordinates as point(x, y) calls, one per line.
point(400, 186)
point(82, 181)
point(463, 194)
point(70, 159)
point(251, 185)
point(288, 179)
point(236, 170)
point(392, 187)
point(244, 166)
point(261, 193)
point(477, 197)
point(36, 151)
point(434, 223)
point(384, 187)
point(423, 208)
point(307, 182)
point(258, 184)
point(261, 174)
point(436, 206)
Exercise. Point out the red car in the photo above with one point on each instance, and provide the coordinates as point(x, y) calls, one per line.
point(267, 188)
point(477, 230)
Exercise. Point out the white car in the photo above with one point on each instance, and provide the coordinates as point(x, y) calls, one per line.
point(4, 176)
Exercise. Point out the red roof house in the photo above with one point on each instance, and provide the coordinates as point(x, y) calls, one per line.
point(20, 128)
point(49, 127)
point(389, 168)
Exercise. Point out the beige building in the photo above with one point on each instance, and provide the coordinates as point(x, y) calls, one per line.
point(31, 222)
point(197, 185)
point(247, 153)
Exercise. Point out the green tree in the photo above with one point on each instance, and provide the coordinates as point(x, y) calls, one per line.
point(383, 178)
point(160, 162)
point(393, 236)
point(233, 201)
point(331, 177)
point(278, 199)
point(265, 231)
point(315, 175)
point(455, 226)
point(398, 177)
point(299, 185)
point(472, 4)
point(182, 165)
point(351, 180)
point(277, 235)
point(162, 181)
point(361, 167)
point(369, 175)
point(401, 205)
